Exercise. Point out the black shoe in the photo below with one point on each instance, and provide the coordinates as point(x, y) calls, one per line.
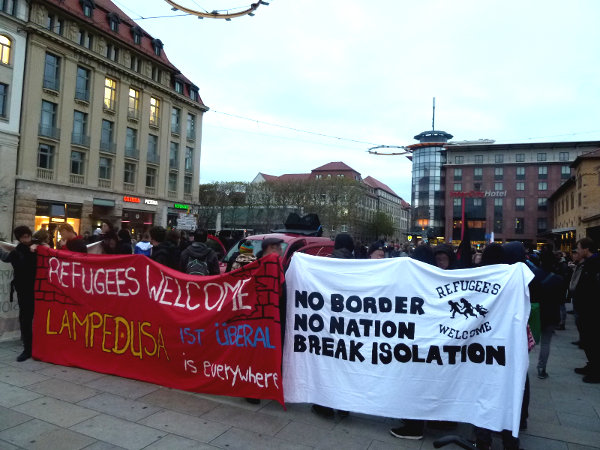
point(591, 378)
point(523, 425)
point(407, 432)
point(542, 374)
point(253, 401)
point(24, 356)
point(583, 370)
point(323, 411)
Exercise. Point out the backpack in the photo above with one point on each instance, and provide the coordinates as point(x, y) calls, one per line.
point(196, 267)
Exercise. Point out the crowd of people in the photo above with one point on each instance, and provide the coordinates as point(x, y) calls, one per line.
point(559, 278)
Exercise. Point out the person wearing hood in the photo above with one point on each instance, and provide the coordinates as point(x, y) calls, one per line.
point(124, 243)
point(199, 255)
point(444, 257)
point(343, 247)
point(164, 251)
point(144, 247)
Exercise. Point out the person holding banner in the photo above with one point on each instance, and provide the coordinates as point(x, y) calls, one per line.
point(70, 240)
point(24, 262)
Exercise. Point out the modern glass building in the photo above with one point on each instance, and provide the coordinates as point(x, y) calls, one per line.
point(428, 184)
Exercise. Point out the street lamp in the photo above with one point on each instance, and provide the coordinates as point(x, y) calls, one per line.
point(223, 14)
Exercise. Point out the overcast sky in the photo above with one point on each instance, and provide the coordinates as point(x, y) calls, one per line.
point(367, 70)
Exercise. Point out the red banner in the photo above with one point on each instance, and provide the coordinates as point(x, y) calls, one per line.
point(129, 316)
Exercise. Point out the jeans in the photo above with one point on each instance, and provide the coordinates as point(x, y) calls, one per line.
point(547, 331)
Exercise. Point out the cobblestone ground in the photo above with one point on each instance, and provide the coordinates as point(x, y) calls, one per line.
point(44, 406)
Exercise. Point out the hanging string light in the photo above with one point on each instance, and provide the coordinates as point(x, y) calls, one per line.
point(218, 14)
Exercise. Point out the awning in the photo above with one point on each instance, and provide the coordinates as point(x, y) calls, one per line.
point(563, 230)
point(103, 202)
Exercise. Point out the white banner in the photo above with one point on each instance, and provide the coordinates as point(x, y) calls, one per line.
point(399, 338)
point(9, 311)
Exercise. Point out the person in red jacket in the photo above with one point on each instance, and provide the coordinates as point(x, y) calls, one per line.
point(70, 240)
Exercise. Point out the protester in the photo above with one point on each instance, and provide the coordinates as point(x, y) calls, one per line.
point(376, 250)
point(163, 251)
point(24, 262)
point(143, 247)
point(184, 241)
point(124, 246)
point(41, 238)
point(70, 240)
point(198, 259)
point(576, 267)
point(270, 245)
point(174, 236)
point(245, 255)
point(444, 257)
point(588, 308)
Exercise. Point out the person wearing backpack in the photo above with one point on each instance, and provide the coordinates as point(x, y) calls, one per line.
point(197, 258)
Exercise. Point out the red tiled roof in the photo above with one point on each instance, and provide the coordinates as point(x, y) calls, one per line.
point(337, 166)
point(99, 20)
point(405, 205)
point(268, 177)
point(294, 177)
point(374, 183)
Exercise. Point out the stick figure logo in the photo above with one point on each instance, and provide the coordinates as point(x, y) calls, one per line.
point(466, 309)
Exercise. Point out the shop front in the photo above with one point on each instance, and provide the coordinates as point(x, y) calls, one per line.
point(102, 209)
point(50, 214)
point(136, 219)
point(179, 217)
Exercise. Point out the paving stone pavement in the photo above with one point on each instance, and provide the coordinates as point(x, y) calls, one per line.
point(44, 406)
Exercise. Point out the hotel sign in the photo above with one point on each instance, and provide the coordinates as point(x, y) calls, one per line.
point(477, 194)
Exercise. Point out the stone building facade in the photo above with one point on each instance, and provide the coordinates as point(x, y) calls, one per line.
point(112, 128)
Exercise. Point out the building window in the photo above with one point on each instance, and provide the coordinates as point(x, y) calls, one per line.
point(478, 173)
point(478, 159)
point(191, 127)
point(542, 203)
point(174, 156)
point(106, 136)
point(542, 186)
point(5, 45)
point(80, 122)
point(179, 87)
point(46, 157)
point(498, 202)
point(133, 105)
point(85, 39)
point(112, 52)
point(542, 224)
point(82, 84)
point(189, 159)
point(563, 156)
point(457, 174)
point(520, 204)
point(520, 157)
point(154, 111)
point(150, 177)
point(498, 173)
point(519, 225)
point(520, 186)
point(129, 173)
point(499, 158)
point(458, 187)
point(565, 172)
point(187, 185)
point(520, 173)
point(158, 46)
point(3, 99)
point(175, 120)
point(498, 186)
point(579, 199)
point(172, 181)
point(77, 163)
point(131, 141)
point(105, 168)
point(88, 7)
point(110, 94)
point(572, 200)
point(135, 64)
point(48, 120)
point(541, 157)
point(55, 24)
point(152, 148)
point(477, 186)
point(113, 22)
point(52, 72)
point(543, 172)
point(459, 159)
point(194, 94)
point(137, 35)
point(155, 74)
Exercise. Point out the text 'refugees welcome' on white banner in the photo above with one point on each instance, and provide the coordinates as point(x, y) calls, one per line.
point(399, 338)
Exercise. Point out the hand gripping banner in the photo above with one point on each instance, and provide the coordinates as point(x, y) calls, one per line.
point(129, 316)
point(399, 338)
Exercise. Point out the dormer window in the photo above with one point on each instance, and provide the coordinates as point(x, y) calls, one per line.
point(137, 35)
point(114, 21)
point(158, 46)
point(179, 87)
point(194, 94)
point(88, 7)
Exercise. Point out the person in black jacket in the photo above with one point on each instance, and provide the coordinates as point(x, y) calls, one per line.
point(164, 251)
point(199, 251)
point(24, 262)
point(587, 306)
point(124, 246)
